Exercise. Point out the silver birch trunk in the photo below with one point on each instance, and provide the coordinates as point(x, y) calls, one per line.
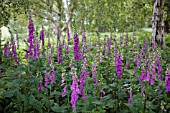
point(158, 24)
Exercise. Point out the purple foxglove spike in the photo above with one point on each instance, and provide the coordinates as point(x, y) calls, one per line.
point(31, 37)
point(82, 80)
point(75, 91)
point(104, 47)
point(115, 52)
point(130, 99)
point(83, 95)
point(68, 34)
point(76, 49)
point(6, 51)
point(39, 87)
point(109, 45)
point(49, 59)
point(127, 65)
point(118, 65)
point(59, 54)
point(167, 81)
point(126, 40)
point(121, 38)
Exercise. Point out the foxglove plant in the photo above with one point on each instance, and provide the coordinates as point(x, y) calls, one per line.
point(167, 81)
point(136, 60)
point(118, 66)
point(102, 93)
point(115, 52)
point(30, 39)
point(46, 78)
point(121, 38)
point(42, 35)
point(49, 59)
point(76, 49)
point(52, 75)
point(127, 65)
point(68, 34)
point(126, 40)
point(130, 98)
point(6, 51)
point(64, 93)
point(145, 46)
point(83, 47)
point(109, 45)
point(158, 66)
point(94, 72)
point(75, 91)
point(40, 86)
point(83, 79)
point(104, 47)
point(17, 42)
point(59, 54)
point(144, 74)
point(14, 51)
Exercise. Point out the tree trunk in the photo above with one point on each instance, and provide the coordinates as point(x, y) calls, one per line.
point(158, 24)
point(167, 26)
point(0, 47)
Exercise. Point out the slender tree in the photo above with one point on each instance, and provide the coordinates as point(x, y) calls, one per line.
point(158, 23)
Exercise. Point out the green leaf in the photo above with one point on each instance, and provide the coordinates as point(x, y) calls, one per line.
point(9, 94)
point(97, 102)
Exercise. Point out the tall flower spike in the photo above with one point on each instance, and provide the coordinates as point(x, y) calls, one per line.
point(126, 40)
point(76, 49)
point(109, 45)
point(144, 74)
point(52, 76)
point(104, 47)
point(115, 52)
point(167, 81)
point(75, 91)
point(118, 65)
point(30, 39)
point(121, 38)
point(130, 99)
point(6, 51)
point(68, 34)
point(14, 51)
point(59, 54)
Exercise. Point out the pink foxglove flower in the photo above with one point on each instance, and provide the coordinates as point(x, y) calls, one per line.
point(167, 81)
point(130, 98)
